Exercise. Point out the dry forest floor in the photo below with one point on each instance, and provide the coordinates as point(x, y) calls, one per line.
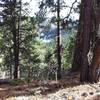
point(68, 88)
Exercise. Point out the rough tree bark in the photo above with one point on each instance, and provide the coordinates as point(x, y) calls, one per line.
point(91, 73)
point(87, 30)
point(95, 65)
point(76, 65)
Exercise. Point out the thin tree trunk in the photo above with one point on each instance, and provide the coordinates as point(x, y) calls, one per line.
point(15, 41)
point(58, 41)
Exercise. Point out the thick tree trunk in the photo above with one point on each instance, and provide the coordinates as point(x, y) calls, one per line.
point(89, 21)
point(95, 65)
point(87, 30)
point(76, 65)
point(94, 70)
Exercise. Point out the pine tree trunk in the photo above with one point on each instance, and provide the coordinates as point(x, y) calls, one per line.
point(15, 41)
point(87, 30)
point(15, 49)
point(58, 41)
point(88, 27)
point(76, 65)
point(94, 70)
point(95, 65)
